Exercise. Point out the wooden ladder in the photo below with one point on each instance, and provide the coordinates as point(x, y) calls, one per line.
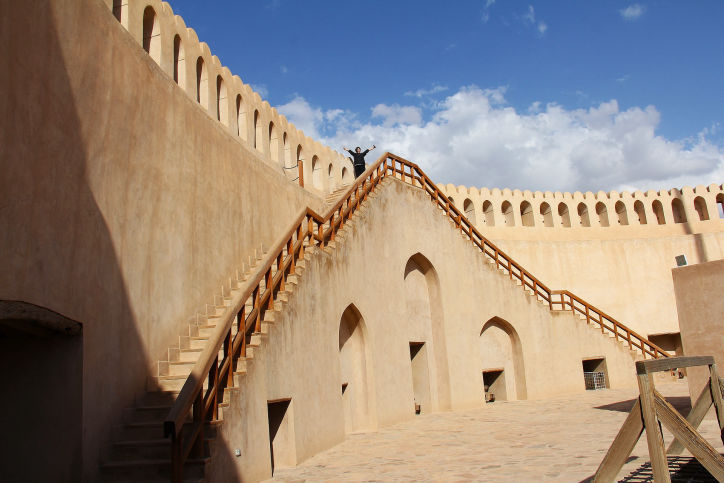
point(651, 410)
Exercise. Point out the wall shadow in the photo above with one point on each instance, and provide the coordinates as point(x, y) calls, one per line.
point(680, 403)
point(58, 249)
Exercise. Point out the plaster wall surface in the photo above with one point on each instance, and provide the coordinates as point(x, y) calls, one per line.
point(621, 262)
point(124, 205)
point(700, 307)
point(299, 357)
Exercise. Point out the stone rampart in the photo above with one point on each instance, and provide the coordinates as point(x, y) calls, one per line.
point(615, 250)
point(226, 98)
point(505, 208)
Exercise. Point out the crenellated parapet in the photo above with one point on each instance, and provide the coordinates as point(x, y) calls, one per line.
point(506, 208)
point(190, 64)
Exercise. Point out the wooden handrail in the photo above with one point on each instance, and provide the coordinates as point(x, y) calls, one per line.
point(260, 289)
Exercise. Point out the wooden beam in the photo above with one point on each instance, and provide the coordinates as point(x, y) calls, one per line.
point(654, 438)
point(621, 447)
point(684, 432)
point(667, 364)
point(695, 417)
point(716, 396)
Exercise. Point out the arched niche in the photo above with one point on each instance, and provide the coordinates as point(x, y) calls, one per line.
point(179, 62)
point(564, 214)
point(546, 214)
point(583, 214)
point(469, 210)
point(488, 215)
point(355, 371)
point(677, 209)
point(602, 213)
point(640, 212)
point(241, 117)
point(658, 212)
point(273, 143)
point(621, 213)
point(526, 214)
point(316, 173)
point(202, 83)
point(426, 331)
point(501, 350)
point(152, 34)
point(507, 209)
point(258, 135)
point(222, 103)
point(701, 209)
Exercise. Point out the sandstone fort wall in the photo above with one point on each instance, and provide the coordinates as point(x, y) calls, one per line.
point(176, 49)
point(614, 249)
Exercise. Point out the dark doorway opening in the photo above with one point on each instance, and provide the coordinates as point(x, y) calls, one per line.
point(41, 353)
point(420, 377)
point(494, 385)
point(281, 434)
point(595, 374)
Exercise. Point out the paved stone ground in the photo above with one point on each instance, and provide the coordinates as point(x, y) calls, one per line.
point(561, 439)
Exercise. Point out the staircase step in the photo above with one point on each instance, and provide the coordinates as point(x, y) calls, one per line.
point(143, 469)
point(157, 398)
point(189, 355)
point(167, 383)
point(180, 368)
point(149, 413)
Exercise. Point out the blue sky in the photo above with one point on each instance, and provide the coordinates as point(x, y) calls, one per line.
point(608, 94)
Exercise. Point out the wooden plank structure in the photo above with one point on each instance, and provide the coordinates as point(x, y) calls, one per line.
point(651, 410)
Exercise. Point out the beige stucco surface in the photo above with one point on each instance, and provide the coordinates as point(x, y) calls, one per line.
point(129, 198)
point(701, 316)
point(123, 206)
point(622, 268)
point(299, 358)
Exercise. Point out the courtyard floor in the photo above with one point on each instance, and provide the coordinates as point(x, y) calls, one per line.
point(562, 439)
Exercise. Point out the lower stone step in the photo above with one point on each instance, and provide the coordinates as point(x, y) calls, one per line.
point(144, 470)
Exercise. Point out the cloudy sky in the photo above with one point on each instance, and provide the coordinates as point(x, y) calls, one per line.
point(500, 93)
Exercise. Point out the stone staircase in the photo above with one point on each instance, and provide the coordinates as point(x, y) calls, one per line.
point(139, 451)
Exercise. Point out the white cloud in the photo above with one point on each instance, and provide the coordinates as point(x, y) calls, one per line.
point(397, 115)
point(529, 19)
point(486, 10)
point(426, 92)
point(283, 69)
point(314, 121)
point(475, 138)
point(529, 16)
point(303, 116)
point(260, 89)
point(632, 12)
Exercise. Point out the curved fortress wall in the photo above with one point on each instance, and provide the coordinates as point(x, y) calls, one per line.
point(615, 250)
point(240, 111)
point(125, 204)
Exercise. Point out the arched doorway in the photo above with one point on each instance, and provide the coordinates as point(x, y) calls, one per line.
point(41, 353)
point(354, 371)
point(501, 361)
point(426, 335)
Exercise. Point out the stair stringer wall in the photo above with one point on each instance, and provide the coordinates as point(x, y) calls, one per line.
point(299, 357)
